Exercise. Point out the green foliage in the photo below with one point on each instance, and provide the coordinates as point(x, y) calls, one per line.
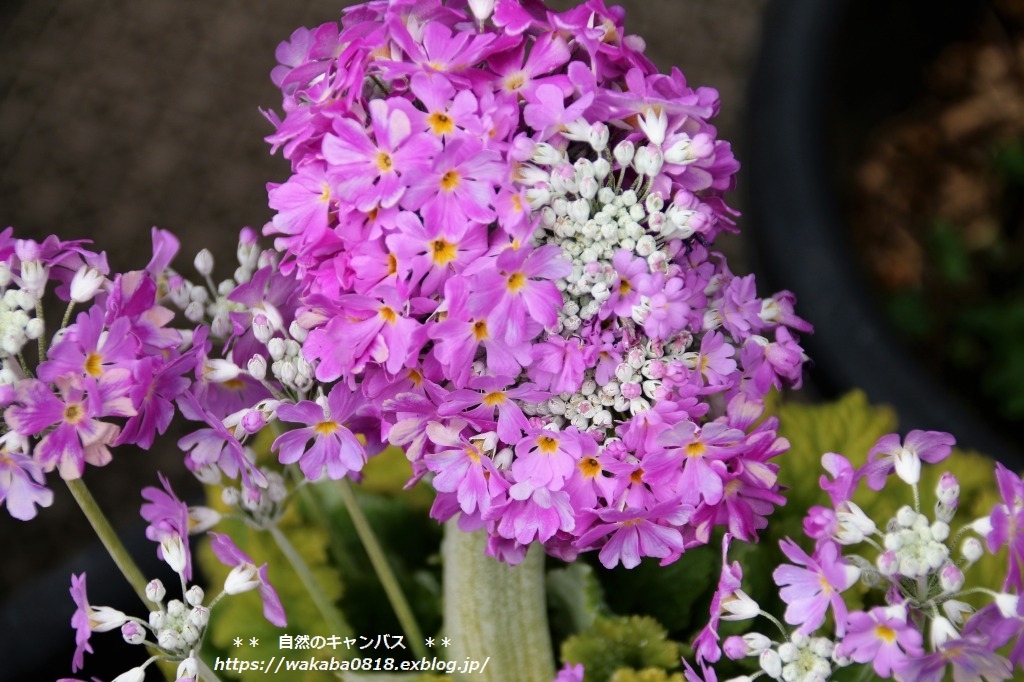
point(645, 675)
point(575, 599)
point(674, 595)
point(634, 642)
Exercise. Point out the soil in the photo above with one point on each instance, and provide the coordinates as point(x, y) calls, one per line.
point(937, 211)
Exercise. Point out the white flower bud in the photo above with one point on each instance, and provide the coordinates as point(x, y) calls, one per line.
point(199, 616)
point(204, 262)
point(951, 578)
point(242, 578)
point(133, 633)
point(771, 663)
point(219, 370)
point(136, 674)
point(194, 596)
point(34, 328)
point(187, 668)
point(957, 611)
point(739, 606)
point(972, 549)
point(257, 367)
point(34, 276)
point(155, 591)
point(174, 553)
point(105, 618)
point(1007, 604)
point(908, 466)
point(942, 631)
point(623, 153)
point(86, 282)
point(597, 136)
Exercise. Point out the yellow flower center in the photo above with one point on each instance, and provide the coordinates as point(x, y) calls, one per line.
point(325, 428)
point(384, 162)
point(695, 449)
point(450, 180)
point(516, 281)
point(547, 445)
point(590, 467)
point(388, 314)
point(73, 413)
point(442, 251)
point(885, 633)
point(441, 123)
point(494, 398)
point(94, 364)
point(480, 330)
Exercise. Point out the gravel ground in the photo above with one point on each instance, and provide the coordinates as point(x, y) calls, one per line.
point(118, 115)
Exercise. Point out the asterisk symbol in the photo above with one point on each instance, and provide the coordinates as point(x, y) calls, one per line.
point(445, 641)
point(238, 641)
point(430, 641)
point(253, 641)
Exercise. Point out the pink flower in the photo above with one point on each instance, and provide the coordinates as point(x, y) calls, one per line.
point(458, 185)
point(335, 448)
point(517, 286)
point(882, 637)
point(637, 533)
point(230, 555)
point(1007, 525)
point(21, 484)
point(78, 436)
point(461, 467)
point(809, 591)
point(905, 458)
point(367, 169)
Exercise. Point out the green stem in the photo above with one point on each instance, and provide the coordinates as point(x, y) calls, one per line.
point(383, 569)
point(332, 617)
point(495, 612)
point(110, 540)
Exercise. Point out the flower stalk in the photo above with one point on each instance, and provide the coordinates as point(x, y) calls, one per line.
point(387, 577)
point(495, 612)
point(108, 536)
point(332, 617)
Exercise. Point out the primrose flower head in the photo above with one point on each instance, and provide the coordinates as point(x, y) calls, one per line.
point(919, 624)
point(502, 221)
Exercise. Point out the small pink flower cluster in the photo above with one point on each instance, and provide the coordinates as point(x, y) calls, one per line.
point(107, 378)
point(915, 623)
point(498, 222)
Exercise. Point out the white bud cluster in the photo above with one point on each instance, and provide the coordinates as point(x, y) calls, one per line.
point(635, 387)
point(261, 507)
point(918, 545)
point(18, 324)
point(585, 210)
point(799, 659)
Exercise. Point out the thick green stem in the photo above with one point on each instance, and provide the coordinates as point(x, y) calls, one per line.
point(383, 569)
point(495, 612)
point(110, 540)
point(332, 617)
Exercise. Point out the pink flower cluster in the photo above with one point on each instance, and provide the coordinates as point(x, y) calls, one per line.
point(108, 377)
point(498, 225)
point(915, 624)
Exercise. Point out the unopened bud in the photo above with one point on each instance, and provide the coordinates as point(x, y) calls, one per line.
point(133, 633)
point(86, 282)
point(204, 263)
point(155, 591)
point(242, 578)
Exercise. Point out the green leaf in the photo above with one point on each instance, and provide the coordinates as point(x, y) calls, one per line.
point(636, 642)
point(849, 426)
point(645, 675)
point(575, 598)
point(653, 590)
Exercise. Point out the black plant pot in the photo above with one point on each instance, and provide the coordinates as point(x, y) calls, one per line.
point(824, 69)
